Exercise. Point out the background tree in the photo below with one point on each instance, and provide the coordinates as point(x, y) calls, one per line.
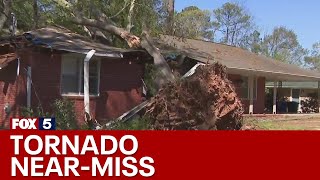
point(124, 23)
point(283, 45)
point(169, 22)
point(252, 42)
point(233, 24)
point(5, 12)
point(313, 60)
point(194, 23)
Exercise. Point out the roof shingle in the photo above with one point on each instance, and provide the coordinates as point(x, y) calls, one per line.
point(230, 56)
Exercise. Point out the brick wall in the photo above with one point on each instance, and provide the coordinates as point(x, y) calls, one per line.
point(12, 91)
point(120, 90)
point(46, 78)
point(120, 86)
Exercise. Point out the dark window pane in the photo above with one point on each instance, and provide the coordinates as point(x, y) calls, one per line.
point(69, 84)
point(69, 80)
point(93, 78)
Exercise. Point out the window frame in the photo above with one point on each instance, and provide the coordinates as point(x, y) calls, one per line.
point(255, 88)
point(80, 57)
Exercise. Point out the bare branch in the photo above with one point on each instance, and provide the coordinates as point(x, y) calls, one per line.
point(119, 12)
point(129, 26)
point(87, 31)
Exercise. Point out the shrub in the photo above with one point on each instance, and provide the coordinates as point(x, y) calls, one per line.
point(141, 123)
point(29, 112)
point(63, 111)
point(65, 115)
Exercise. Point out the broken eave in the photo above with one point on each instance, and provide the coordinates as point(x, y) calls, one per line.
point(5, 59)
point(64, 40)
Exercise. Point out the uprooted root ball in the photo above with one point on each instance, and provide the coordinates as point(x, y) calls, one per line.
point(205, 100)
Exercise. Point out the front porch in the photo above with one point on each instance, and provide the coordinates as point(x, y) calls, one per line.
point(257, 98)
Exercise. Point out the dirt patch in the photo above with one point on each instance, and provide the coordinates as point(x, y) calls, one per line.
point(206, 100)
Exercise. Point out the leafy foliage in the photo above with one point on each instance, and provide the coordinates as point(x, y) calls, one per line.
point(64, 114)
point(313, 60)
point(49, 12)
point(233, 23)
point(283, 45)
point(38, 112)
point(63, 111)
point(142, 123)
point(151, 73)
point(193, 23)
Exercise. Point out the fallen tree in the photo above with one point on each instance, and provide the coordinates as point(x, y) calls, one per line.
point(206, 100)
point(104, 23)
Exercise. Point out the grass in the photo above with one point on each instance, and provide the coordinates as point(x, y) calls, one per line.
point(284, 123)
point(141, 123)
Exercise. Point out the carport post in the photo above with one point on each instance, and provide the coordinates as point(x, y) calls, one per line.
point(274, 109)
point(251, 83)
point(29, 84)
point(319, 96)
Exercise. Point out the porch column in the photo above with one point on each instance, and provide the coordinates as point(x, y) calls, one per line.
point(29, 86)
point(319, 95)
point(274, 109)
point(86, 87)
point(251, 89)
point(86, 81)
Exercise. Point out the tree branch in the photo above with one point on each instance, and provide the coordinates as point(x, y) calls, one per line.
point(119, 12)
point(129, 26)
point(133, 41)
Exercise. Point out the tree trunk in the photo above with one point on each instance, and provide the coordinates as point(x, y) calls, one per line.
point(5, 13)
point(35, 14)
point(170, 18)
point(159, 61)
point(134, 41)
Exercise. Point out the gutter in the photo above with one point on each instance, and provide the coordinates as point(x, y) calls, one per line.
point(280, 73)
point(86, 80)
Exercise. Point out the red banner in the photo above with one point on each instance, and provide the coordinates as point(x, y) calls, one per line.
point(159, 154)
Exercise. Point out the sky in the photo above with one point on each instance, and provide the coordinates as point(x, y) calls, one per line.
point(302, 16)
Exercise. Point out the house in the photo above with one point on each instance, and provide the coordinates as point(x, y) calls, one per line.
point(248, 71)
point(43, 65)
point(304, 94)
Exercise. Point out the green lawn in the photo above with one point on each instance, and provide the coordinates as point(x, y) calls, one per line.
point(283, 123)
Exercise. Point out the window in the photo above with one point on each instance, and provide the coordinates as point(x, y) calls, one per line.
point(72, 75)
point(243, 88)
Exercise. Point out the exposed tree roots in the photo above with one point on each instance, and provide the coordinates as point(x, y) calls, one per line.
point(206, 100)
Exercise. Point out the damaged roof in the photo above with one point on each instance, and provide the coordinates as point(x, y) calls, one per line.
point(233, 57)
point(65, 40)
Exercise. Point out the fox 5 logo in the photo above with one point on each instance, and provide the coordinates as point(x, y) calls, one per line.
point(33, 123)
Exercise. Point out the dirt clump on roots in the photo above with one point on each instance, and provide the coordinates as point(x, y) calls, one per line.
point(206, 100)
